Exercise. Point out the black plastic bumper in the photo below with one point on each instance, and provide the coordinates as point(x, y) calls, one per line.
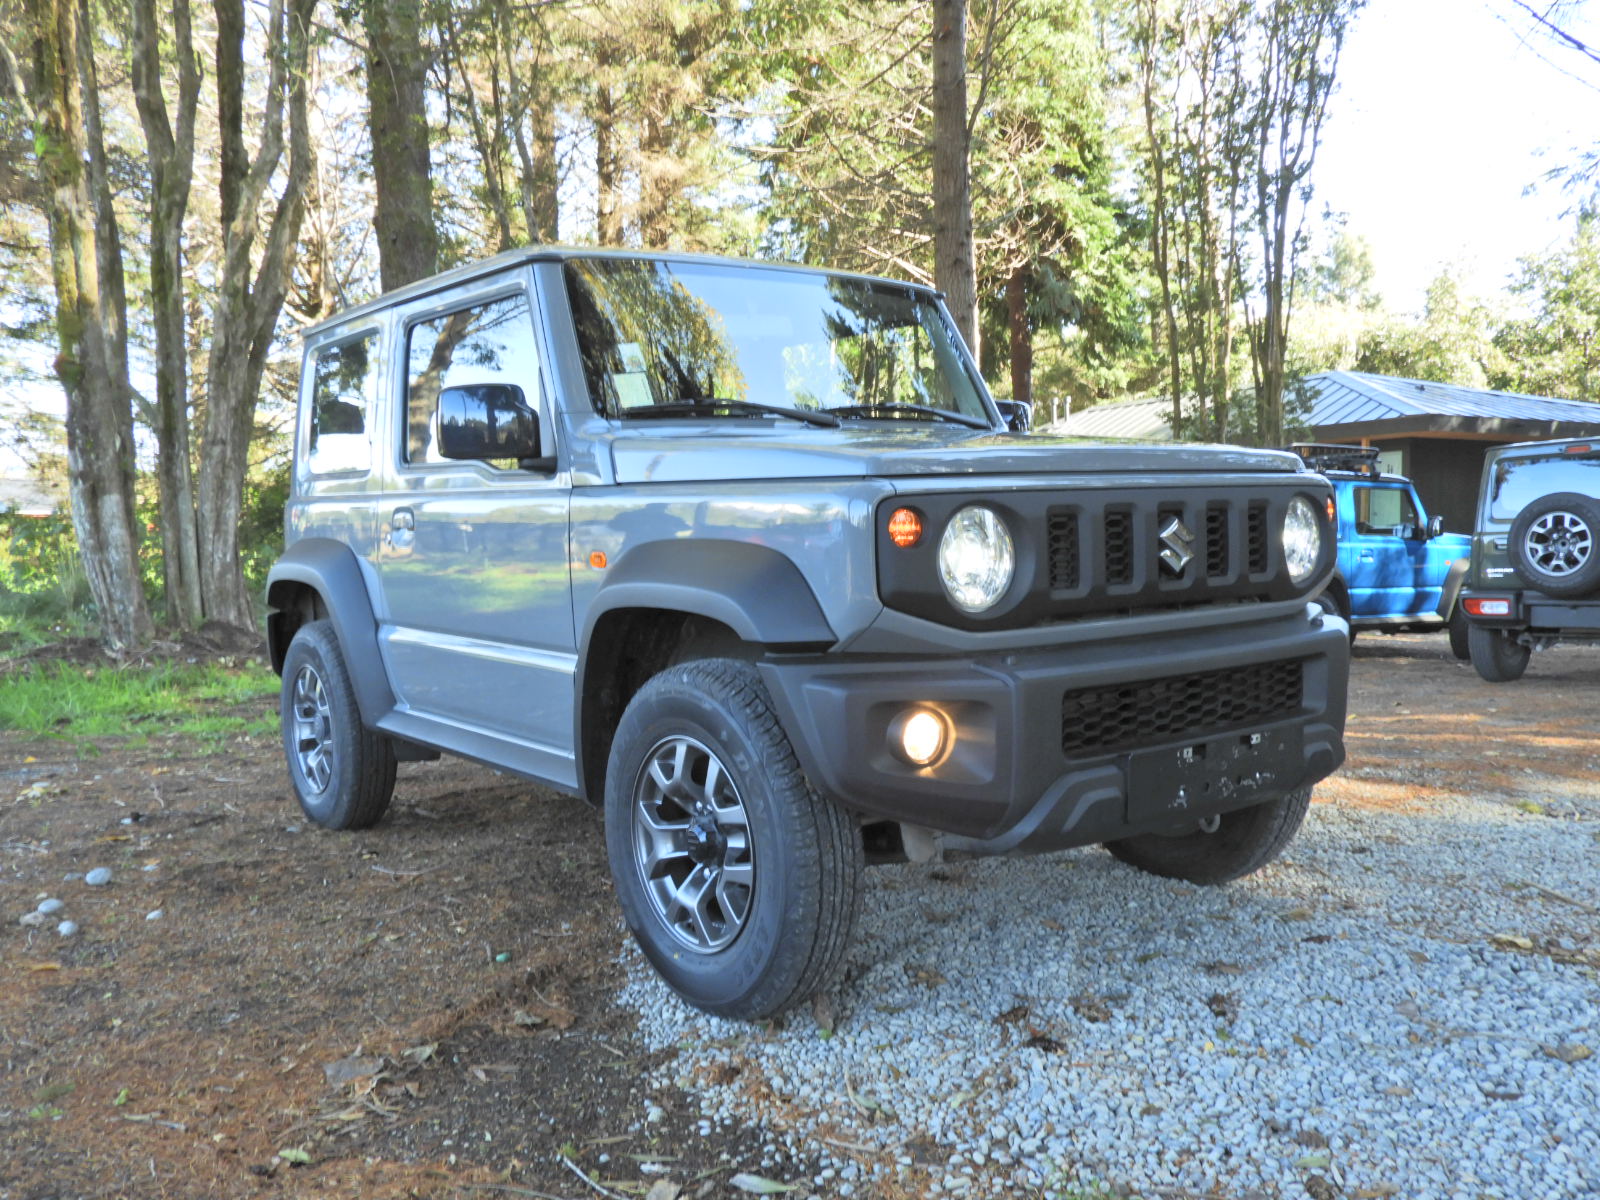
point(1018, 778)
point(1536, 612)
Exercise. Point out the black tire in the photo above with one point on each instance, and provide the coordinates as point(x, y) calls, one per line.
point(1496, 655)
point(342, 772)
point(1335, 605)
point(1457, 625)
point(1243, 842)
point(778, 867)
point(1554, 545)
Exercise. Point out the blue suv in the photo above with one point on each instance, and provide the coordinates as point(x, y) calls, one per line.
point(1393, 557)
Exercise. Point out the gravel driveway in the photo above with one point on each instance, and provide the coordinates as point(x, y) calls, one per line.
point(1406, 1005)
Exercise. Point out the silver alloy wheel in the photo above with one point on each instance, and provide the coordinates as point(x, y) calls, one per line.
point(1559, 543)
point(691, 844)
point(313, 728)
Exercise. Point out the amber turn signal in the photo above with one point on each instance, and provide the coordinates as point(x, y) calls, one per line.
point(905, 527)
point(1331, 519)
point(597, 560)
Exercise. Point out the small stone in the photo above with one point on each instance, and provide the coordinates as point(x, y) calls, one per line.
point(50, 906)
point(67, 928)
point(98, 877)
point(33, 919)
point(154, 915)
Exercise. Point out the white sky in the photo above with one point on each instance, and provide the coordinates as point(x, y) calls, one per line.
point(1446, 111)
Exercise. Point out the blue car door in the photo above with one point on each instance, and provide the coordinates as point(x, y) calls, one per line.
point(1384, 558)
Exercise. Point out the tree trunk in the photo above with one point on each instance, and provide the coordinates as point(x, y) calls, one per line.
point(607, 168)
point(408, 242)
point(955, 263)
point(90, 364)
point(1021, 335)
point(171, 155)
point(540, 204)
point(247, 309)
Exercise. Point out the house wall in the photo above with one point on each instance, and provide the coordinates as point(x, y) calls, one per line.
point(1445, 472)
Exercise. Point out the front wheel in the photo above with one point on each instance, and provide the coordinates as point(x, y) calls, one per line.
point(1460, 641)
point(1496, 654)
point(740, 884)
point(342, 772)
point(1225, 847)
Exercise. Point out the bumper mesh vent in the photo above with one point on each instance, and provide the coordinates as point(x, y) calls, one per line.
point(1128, 716)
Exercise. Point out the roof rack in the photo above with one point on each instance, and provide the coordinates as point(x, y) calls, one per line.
point(1320, 456)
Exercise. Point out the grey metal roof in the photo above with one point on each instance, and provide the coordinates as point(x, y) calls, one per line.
point(1354, 397)
point(1146, 419)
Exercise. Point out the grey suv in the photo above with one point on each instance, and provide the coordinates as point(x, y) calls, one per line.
point(1534, 575)
point(747, 555)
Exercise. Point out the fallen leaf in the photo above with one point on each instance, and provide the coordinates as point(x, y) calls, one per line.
point(1222, 1005)
point(1568, 1052)
point(1318, 939)
point(54, 1091)
point(1377, 1191)
point(354, 1067)
point(1397, 1090)
point(1222, 968)
point(662, 1189)
point(1311, 1162)
point(1048, 923)
point(1409, 1009)
point(296, 1156)
point(757, 1185)
point(1511, 941)
point(822, 1011)
point(1299, 914)
point(1012, 1015)
point(926, 976)
point(420, 1054)
point(45, 966)
point(1045, 1042)
point(1300, 1041)
point(526, 1019)
point(1311, 1139)
point(1091, 1008)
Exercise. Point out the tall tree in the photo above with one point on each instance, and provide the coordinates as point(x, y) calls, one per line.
point(91, 360)
point(397, 69)
point(955, 269)
point(1555, 349)
point(170, 149)
point(251, 285)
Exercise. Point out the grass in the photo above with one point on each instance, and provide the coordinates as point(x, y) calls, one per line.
point(70, 701)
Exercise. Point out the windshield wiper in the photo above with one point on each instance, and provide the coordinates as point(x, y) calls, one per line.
point(714, 407)
point(922, 410)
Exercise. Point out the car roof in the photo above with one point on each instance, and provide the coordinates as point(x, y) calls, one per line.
point(1362, 476)
point(1538, 447)
point(532, 254)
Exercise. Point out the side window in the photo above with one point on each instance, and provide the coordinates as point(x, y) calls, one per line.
point(489, 343)
point(1384, 510)
point(344, 382)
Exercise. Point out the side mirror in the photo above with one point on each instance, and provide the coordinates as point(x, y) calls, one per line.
point(487, 420)
point(1017, 415)
point(1435, 526)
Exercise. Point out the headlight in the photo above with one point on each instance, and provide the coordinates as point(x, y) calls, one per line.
point(1302, 539)
point(976, 559)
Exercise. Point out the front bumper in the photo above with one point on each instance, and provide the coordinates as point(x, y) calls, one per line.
point(1072, 745)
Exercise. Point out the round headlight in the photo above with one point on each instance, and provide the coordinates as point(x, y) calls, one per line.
point(1302, 539)
point(976, 558)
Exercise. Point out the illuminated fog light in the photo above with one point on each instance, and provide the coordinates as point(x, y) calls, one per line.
point(918, 735)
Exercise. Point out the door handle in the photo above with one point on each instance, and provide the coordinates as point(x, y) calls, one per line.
point(404, 518)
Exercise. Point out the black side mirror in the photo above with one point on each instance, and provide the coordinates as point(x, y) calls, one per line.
point(1017, 415)
point(487, 420)
point(1435, 526)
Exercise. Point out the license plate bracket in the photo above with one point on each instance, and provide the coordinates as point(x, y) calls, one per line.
point(1214, 774)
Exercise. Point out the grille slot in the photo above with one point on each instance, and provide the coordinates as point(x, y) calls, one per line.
point(1256, 537)
point(1216, 540)
point(1065, 567)
point(1127, 716)
point(1118, 547)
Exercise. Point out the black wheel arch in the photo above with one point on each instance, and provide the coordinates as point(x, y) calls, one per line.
point(320, 577)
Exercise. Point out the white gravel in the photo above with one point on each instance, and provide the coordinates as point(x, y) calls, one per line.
point(1400, 1007)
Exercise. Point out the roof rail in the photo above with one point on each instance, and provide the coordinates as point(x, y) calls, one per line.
point(1321, 456)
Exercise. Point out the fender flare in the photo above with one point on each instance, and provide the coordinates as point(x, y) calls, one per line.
point(332, 570)
point(754, 590)
point(1454, 579)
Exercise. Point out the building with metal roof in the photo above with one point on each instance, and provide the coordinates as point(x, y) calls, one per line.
point(1434, 432)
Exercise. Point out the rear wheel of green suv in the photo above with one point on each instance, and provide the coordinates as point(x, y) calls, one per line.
point(1496, 653)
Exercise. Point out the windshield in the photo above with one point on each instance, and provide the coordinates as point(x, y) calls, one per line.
point(656, 336)
point(1518, 480)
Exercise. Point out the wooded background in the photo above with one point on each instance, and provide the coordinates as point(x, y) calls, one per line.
point(1116, 198)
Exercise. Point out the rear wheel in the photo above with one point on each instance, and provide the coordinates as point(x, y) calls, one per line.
point(740, 884)
point(1496, 654)
point(1225, 847)
point(342, 772)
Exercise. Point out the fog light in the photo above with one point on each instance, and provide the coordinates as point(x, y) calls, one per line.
point(918, 736)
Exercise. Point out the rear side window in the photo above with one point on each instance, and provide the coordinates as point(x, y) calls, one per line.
point(1519, 481)
point(344, 382)
point(488, 343)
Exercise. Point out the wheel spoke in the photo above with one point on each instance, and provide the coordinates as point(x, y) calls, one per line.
point(313, 728)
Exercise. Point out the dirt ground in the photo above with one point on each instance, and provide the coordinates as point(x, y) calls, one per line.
point(255, 1008)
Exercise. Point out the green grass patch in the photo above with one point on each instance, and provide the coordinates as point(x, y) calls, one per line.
point(74, 702)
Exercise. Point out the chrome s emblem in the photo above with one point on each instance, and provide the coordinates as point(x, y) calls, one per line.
point(1177, 546)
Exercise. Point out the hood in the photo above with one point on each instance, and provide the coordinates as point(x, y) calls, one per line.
point(686, 452)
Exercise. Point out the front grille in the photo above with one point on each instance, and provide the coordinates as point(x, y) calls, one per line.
point(1118, 548)
point(1063, 533)
point(1099, 720)
point(1256, 537)
point(1216, 540)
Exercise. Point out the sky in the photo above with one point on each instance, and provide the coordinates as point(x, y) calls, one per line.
point(1446, 111)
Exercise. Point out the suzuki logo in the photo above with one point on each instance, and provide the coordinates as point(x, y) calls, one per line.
point(1176, 546)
